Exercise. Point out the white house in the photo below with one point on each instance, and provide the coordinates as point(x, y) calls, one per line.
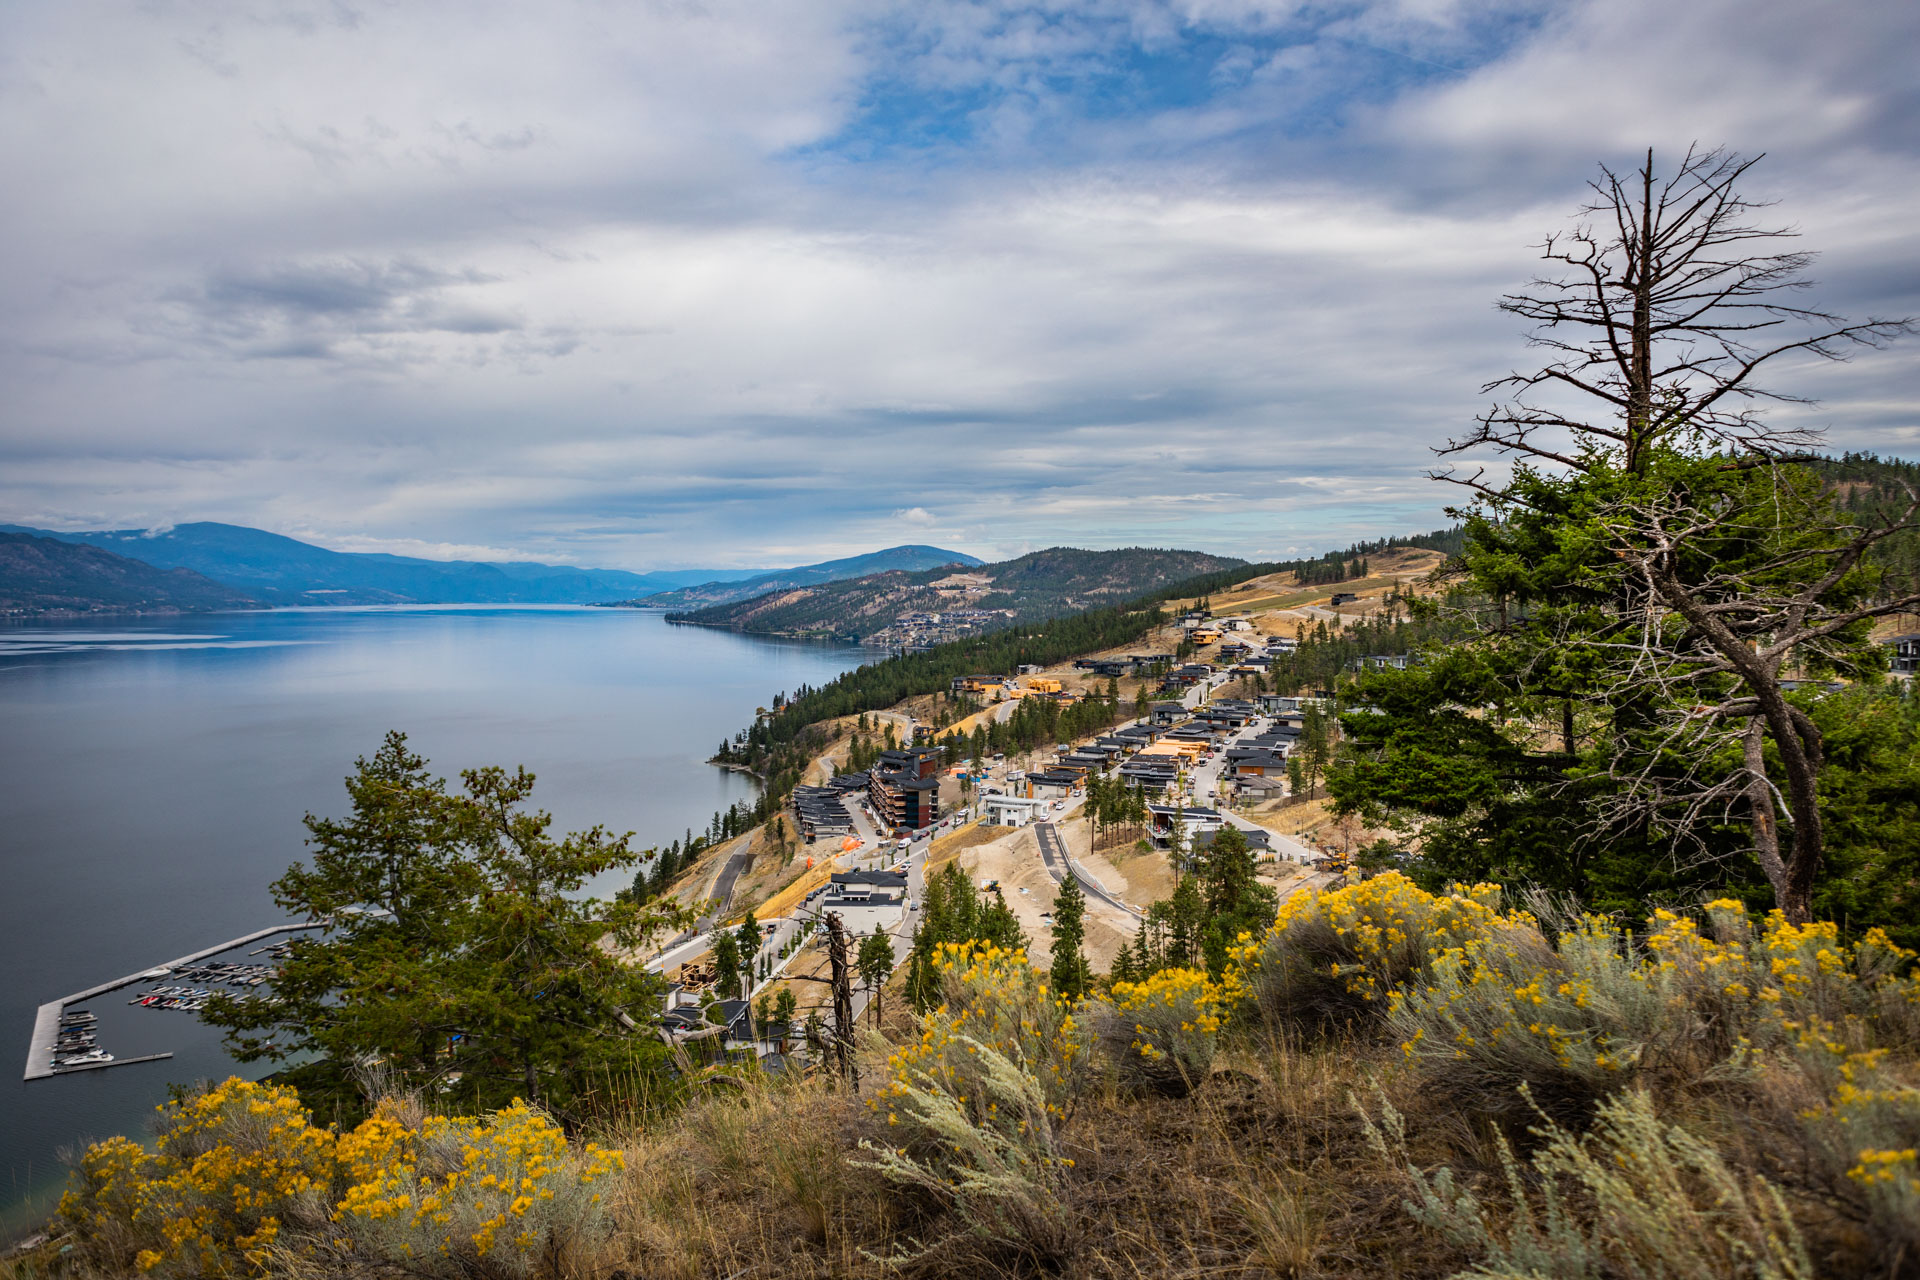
point(1011, 811)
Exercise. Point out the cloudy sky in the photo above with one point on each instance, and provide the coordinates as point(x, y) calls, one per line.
point(675, 284)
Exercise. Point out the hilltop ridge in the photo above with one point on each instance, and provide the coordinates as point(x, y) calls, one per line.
point(940, 604)
point(47, 576)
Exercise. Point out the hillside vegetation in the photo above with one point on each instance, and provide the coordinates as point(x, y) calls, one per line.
point(1384, 1082)
point(1043, 584)
point(43, 575)
point(708, 594)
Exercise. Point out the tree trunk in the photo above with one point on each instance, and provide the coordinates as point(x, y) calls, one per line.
point(1766, 832)
point(842, 1001)
point(1800, 754)
point(1794, 736)
point(1640, 368)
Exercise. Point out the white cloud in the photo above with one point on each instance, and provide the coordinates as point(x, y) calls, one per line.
point(630, 286)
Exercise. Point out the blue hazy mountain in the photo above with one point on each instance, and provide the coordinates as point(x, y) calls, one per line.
point(279, 570)
point(47, 575)
point(706, 595)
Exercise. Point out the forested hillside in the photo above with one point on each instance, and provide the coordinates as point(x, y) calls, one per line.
point(42, 575)
point(708, 594)
point(1043, 584)
point(1873, 489)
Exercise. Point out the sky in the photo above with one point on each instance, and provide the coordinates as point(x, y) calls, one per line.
point(682, 284)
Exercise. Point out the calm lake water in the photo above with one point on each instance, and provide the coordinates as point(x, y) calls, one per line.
point(153, 777)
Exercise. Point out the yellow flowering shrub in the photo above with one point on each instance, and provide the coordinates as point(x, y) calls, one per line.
point(240, 1171)
point(971, 1104)
point(232, 1167)
point(991, 997)
point(1578, 1019)
point(1332, 960)
point(1162, 1033)
point(492, 1195)
point(1866, 1128)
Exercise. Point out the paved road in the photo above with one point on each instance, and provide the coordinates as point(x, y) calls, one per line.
point(1053, 854)
point(1206, 791)
point(729, 876)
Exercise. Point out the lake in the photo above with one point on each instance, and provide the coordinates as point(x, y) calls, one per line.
point(153, 775)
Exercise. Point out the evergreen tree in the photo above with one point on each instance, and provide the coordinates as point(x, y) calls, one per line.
point(1235, 900)
point(1070, 973)
point(726, 962)
point(874, 962)
point(1186, 924)
point(487, 961)
point(747, 938)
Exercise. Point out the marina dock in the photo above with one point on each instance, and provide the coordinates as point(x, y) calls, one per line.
point(46, 1019)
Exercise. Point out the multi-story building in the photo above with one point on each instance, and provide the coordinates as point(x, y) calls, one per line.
point(904, 788)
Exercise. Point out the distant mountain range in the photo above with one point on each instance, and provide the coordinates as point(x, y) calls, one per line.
point(257, 567)
point(709, 594)
point(46, 575)
point(1044, 584)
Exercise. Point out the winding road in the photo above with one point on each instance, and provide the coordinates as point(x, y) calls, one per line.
point(1053, 854)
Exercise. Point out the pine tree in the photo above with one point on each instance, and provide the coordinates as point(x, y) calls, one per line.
point(726, 962)
point(1070, 972)
point(1186, 921)
point(874, 962)
point(747, 938)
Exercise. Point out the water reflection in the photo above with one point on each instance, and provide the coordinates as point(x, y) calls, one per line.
point(152, 780)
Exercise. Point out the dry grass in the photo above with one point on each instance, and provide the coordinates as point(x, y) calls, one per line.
point(1265, 1172)
point(947, 848)
point(1267, 1169)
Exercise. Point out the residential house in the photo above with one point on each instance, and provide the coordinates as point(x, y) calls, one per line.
point(1906, 653)
point(1011, 811)
point(1256, 762)
point(1052, 784)
point(867, 901)
point(820, 812)
point(1164, 819)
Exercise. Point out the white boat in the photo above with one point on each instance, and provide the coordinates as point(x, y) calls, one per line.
point(84, 1059)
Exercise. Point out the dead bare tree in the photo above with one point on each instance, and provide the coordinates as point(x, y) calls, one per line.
point(840, 983)
point(842, 1000)
point(1665, 314)
point(1672, 299)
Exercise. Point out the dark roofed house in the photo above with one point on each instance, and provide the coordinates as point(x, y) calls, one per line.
point(1257, 840)
point(884, 878)
point(1260, 788)
point(1052, 783)
point(1258, 764)
point(1906, 653)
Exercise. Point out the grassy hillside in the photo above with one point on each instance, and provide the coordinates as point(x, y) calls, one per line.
point(42, 575)
point(1384, 1083)
point(1044, 584)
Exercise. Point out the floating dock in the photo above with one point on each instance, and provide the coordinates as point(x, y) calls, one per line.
point(46, 1019)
